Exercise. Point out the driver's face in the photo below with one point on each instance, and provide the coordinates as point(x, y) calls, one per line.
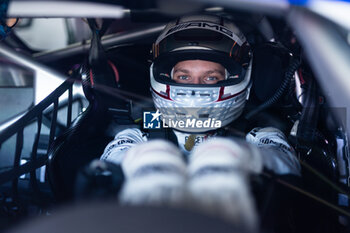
point(198, 72)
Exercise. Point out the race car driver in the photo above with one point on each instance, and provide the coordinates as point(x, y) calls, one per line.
point(201, 71)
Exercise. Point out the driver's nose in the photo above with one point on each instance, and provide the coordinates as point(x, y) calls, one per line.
point(196, 80)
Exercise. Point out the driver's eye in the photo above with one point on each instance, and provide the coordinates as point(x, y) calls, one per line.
point(183, 77)
point(211, 78)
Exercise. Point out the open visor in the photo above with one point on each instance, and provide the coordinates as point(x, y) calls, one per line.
point(165, 62)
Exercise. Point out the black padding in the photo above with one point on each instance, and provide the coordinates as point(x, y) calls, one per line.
point(87, 137)
point(98, 78)
point(269, 64)
point(75, 148)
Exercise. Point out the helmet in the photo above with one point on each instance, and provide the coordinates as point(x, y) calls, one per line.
point(201, 37)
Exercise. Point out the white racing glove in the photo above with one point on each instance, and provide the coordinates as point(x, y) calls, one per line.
point(123, 141)
point(218, 183)
point(155, 174)
point(277, 155)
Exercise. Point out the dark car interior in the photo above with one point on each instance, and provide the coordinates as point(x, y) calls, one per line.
point(113, 69)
